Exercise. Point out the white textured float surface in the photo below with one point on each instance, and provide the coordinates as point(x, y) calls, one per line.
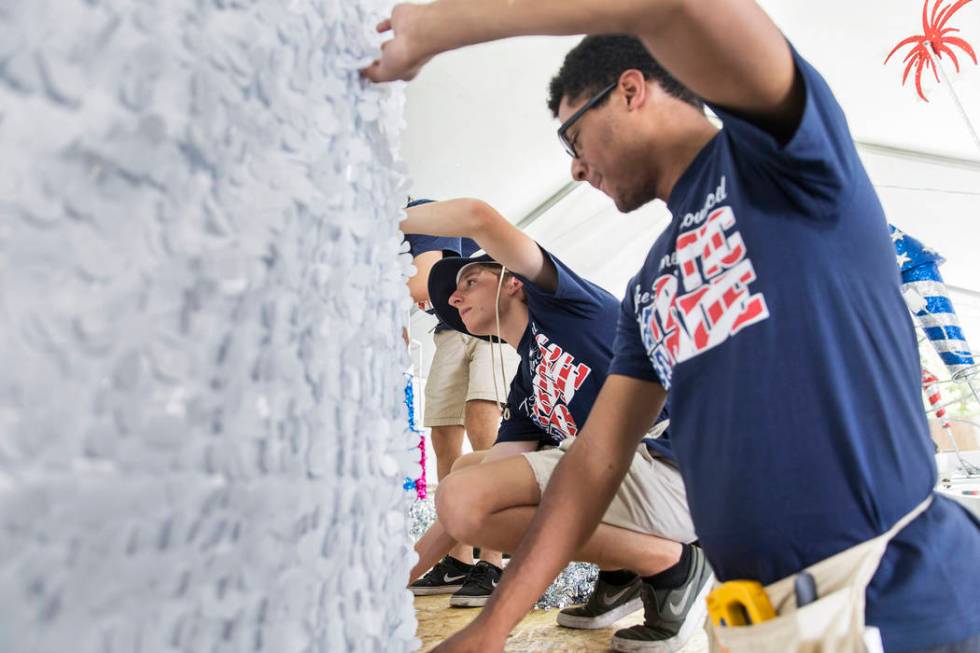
point(202, 434)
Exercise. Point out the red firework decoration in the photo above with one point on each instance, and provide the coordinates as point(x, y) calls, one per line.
point(935, 41)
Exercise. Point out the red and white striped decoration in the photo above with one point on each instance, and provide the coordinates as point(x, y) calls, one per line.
point(931, 386)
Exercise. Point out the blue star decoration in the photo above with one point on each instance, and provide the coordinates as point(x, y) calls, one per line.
point(911, 253)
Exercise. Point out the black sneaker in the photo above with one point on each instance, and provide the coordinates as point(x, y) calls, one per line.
point(607, 604)
point(671, 616)
point(477, 587)
point(445, 578)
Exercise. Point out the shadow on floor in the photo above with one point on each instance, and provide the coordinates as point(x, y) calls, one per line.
point(537, 632)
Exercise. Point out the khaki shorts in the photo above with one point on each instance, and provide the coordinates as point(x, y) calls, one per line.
point(651, 499)
point(461, 372)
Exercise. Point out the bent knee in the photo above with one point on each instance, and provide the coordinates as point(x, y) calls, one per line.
point(459, 507)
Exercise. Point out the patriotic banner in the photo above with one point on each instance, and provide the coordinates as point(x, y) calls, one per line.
point(927, 298)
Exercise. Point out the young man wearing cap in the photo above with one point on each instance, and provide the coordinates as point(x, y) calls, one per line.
point(563, 328)
point(458, 396)
point(770, 307)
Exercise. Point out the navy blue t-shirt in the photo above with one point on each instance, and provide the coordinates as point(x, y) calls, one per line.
point(660, 446)
point(565, 354)
point(467, 247)
point(420, 243)
point(770, 309)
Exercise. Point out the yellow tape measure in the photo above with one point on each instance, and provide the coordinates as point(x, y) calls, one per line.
point(739, 603)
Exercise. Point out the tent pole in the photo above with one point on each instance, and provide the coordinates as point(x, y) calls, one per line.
point(917, 155)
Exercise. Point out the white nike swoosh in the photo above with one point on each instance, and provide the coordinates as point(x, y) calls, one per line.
point(678, 609)
point(608, 599)
point(449, 579)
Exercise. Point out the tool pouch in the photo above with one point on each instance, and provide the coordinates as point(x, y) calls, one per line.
point(834, 623)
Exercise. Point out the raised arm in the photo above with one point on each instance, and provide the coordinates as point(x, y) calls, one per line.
point(580, 490)
point(727, 51)
point(493, 232)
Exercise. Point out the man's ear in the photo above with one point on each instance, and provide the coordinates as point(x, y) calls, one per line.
point(514, 284)
point(634, 88)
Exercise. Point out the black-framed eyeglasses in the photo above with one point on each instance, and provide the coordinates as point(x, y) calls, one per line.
point(563, 130)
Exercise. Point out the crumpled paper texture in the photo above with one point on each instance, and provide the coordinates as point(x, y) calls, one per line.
point(202, 429)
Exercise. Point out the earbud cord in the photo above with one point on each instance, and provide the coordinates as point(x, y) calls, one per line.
point(504, 409)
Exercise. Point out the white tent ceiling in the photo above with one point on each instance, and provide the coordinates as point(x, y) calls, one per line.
point(478, 126)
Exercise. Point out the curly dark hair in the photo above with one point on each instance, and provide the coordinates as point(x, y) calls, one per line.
point(598, 61)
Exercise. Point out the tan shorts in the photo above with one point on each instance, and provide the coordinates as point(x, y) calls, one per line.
point(651, 499)
point(461, 372)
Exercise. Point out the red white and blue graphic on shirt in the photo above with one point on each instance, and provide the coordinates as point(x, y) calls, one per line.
point(705, 297)
point(557, 377)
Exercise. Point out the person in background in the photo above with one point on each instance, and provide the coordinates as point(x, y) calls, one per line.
point(459, 398)
point(563, 328)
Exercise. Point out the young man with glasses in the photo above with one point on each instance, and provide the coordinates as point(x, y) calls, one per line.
point(563, 328)
point(770, 308)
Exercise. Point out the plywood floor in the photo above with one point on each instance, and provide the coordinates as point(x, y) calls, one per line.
point(537, 632)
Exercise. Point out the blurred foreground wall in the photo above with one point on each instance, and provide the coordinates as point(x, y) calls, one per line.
point(202, 427)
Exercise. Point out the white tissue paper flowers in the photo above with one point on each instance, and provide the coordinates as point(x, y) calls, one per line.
point(201, 299)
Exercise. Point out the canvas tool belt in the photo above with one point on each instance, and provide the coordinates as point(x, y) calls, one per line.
point(834, 622)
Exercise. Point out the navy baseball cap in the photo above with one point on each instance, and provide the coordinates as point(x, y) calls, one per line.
point(442, 284)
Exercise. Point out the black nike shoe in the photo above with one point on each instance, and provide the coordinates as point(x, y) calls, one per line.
point(671, 616)
point(477, 587)
point(607, 604)
point(445, 578)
